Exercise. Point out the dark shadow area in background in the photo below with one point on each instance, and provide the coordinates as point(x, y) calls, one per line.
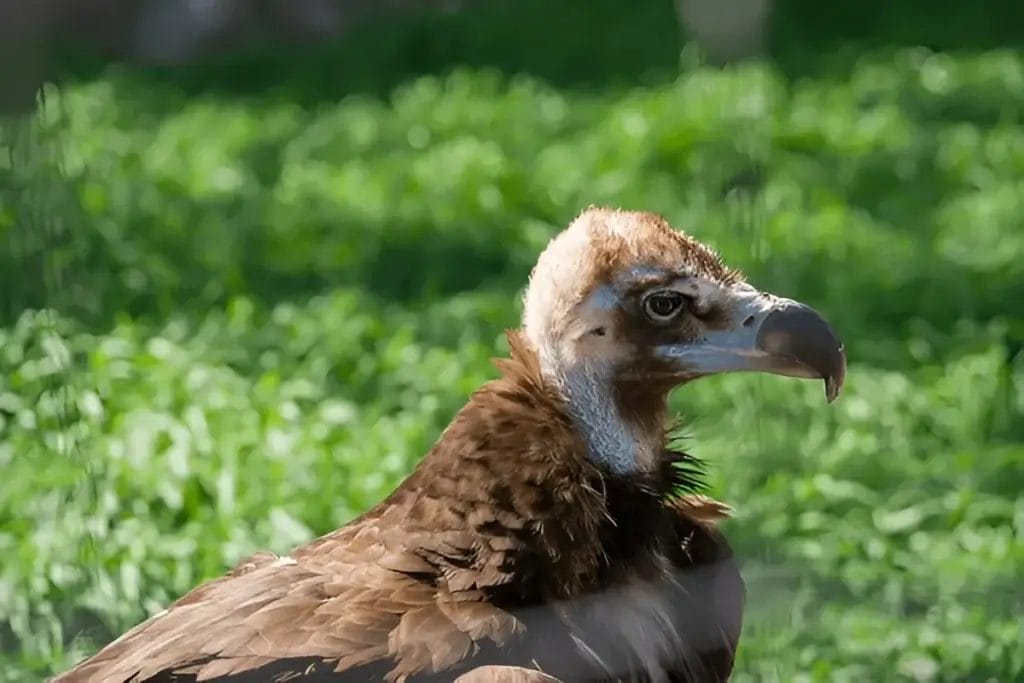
point(570, 43)
point(811, 38)
point(587, 43)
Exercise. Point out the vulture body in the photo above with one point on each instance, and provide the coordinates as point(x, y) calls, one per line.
point(550, 533)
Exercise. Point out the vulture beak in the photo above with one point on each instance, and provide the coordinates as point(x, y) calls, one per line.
point(764, 333)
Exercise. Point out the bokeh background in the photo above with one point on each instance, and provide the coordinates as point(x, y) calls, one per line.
point(254, 256)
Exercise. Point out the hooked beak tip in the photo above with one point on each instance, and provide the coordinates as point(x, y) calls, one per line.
point(834, 383)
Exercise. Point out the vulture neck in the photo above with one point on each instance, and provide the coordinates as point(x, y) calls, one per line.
point(622, 423)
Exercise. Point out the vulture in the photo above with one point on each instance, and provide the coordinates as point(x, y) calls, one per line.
point(553, 532)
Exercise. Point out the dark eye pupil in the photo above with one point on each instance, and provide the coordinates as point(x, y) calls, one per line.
point(663, 305)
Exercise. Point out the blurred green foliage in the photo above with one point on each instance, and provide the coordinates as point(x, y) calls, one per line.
point(234, 321)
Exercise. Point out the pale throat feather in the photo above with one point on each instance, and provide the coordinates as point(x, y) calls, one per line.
point(613, 442)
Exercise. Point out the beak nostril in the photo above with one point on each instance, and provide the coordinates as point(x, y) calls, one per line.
point(749, 321)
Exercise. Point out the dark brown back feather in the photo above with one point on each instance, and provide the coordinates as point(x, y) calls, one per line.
point(506, 546)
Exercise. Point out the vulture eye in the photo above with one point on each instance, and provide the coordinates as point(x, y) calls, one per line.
point(663, 306)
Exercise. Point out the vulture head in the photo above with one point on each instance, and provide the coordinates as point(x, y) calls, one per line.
point(621, 308)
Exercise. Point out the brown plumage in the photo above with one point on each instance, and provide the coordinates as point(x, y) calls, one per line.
point(550, 528)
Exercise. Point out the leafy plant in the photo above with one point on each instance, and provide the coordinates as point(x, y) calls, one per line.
point(267, 312)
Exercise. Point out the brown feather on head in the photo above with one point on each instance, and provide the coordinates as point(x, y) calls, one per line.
point(621, 308)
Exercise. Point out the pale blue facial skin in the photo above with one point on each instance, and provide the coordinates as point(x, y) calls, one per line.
point(744, 342)
point(614, 442)
point(730, 349)
point(741, 345)
point(735, 348)
point(767, 334)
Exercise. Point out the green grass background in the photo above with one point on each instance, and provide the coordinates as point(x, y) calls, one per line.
point(241, 299)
